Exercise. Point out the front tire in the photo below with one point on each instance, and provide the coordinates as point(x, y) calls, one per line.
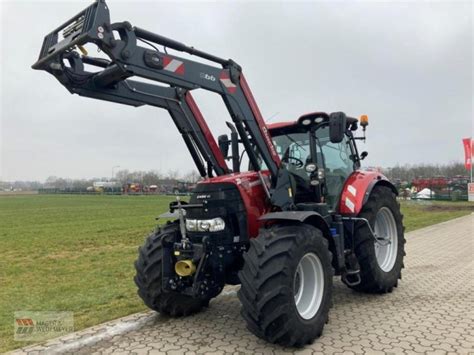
point(148, 279)
point(380, 261)
point(287, 284)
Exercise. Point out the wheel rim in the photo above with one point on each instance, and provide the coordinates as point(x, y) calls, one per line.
point(308, 285)
point(386, 245)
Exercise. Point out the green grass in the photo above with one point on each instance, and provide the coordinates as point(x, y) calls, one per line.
point(71, 253)
point(76, 253)
point(419, 214)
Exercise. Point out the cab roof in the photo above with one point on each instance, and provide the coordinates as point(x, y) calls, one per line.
point(277, 126)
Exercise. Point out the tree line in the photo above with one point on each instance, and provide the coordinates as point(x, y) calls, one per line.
point(145, 178)
point(405, 172)
point(409, 172)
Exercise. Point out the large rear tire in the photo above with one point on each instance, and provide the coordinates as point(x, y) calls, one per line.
point(287, 284)
point(148, 279)
point(380, 261)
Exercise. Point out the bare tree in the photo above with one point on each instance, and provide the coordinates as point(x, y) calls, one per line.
point(172, 174)
point(123, 176)
point(409, 172)
point(151, 178)
point(192, 176)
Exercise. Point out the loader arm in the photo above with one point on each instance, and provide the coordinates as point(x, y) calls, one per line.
point(128, 59)
point(178, 102)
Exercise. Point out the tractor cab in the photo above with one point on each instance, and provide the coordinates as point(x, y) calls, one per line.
point(319, 153)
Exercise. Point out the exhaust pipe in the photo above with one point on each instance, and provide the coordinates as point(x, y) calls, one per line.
point(185, 268)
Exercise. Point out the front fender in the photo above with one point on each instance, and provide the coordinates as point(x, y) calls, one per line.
point(299, 216)
point(309, 217)
point(357, 189)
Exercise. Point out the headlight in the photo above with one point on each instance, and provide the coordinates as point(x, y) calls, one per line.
point(191, 224)
point(205, 225)
point(310, 167)
point(321, 174)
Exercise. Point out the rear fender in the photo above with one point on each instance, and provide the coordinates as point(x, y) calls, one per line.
point(357, 189)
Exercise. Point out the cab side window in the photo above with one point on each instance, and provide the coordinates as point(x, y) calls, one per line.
point(338, 165)
point(337, 158)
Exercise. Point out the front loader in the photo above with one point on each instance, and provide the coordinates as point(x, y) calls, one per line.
point(300, 212)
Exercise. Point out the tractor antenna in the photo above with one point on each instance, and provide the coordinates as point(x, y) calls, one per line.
point(272, 116)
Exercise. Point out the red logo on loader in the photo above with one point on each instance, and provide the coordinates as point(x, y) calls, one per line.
point(225, 80)
point(173, 65)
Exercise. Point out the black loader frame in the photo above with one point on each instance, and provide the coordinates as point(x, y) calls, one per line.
point(128, 59)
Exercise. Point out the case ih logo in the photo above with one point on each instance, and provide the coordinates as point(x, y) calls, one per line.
point(269, 141)
point(173, 65)
point(24, 326)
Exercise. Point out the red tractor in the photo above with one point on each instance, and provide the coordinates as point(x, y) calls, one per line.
point(302, 213)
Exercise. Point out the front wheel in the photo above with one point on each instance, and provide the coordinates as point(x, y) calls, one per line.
point(287, 284)
point(149, 279)
point(381, 259)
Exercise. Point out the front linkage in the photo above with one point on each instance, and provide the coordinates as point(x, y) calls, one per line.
point(203, 281)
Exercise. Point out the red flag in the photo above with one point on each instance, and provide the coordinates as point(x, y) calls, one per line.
point(468, 152)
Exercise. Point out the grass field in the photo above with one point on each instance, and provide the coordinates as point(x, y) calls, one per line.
point(419, 214)
point(76, 253)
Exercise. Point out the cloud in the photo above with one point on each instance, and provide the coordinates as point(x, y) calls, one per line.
point(408, 65)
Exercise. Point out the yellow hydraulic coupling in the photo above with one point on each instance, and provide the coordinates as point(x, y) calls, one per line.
point(83, 50)
point(185, 267)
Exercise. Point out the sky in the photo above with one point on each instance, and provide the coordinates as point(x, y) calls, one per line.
point(407, 65)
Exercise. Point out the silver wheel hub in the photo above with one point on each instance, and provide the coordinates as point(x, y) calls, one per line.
point(386, 245)
point(308, 285)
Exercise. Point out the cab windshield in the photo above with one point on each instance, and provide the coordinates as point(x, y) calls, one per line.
point(335, 158)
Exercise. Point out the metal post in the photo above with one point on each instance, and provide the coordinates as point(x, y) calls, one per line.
point(471, 166)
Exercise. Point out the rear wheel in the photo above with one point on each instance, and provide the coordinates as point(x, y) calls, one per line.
point(287, 284)
point(381, 259)
point(148, 279)
point(386, 248)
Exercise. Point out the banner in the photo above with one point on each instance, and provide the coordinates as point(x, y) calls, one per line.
point(467, 153)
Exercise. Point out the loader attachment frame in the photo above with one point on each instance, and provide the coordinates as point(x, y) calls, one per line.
point(128, 59)
point(178, 102)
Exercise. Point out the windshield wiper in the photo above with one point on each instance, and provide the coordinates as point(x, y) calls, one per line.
point(291, 139)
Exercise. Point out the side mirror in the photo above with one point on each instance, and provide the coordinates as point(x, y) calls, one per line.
point(337, 126)
point(363, 155)
point(223, 142)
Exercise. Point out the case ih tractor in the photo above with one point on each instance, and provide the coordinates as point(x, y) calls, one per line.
point(300, 212)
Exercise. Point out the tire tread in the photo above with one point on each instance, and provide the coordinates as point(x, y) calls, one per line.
point(264, 284)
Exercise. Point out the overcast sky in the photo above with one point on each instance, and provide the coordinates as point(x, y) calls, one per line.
point(408, 66)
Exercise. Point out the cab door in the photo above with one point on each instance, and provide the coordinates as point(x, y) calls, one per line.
point(338, 164)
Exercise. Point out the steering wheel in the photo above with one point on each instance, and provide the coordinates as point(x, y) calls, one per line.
point(299, 163)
